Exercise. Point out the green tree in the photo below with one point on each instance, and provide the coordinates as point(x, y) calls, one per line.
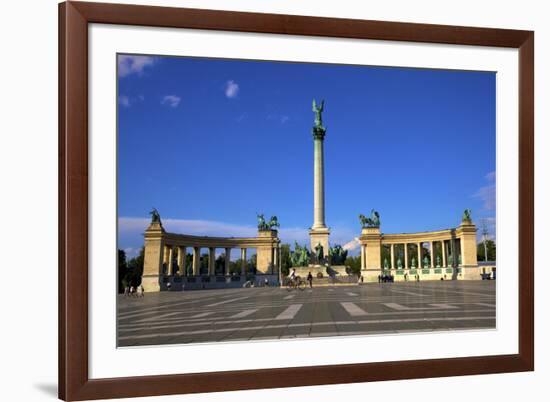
point(203, 265)
point(219, 265)
point(122, 271)
point(491, 250)
point(354, 263)
point(286, 261)
point(235, 267)
point(135, 269)
point(189, 264)
point(252, 264)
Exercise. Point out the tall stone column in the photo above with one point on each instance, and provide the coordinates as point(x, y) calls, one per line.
point(392, 256)
point(196, 260)
point(406, 255)
point(211, 261)
point(170, 265)
point(419, 253)
point(319, 232)
point(181, 259)
point(432, 257)
point(166, 256)
point(468, 250)
point(318, 181)
point(443, 254)
point(227, 259)
point(275, 259)
point(243, 261)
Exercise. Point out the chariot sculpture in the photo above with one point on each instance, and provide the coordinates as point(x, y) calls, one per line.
point(372, 222)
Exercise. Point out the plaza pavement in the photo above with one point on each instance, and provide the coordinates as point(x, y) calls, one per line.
point(272, 313)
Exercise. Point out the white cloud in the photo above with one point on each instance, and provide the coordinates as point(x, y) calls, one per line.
point(352, 245)
point(490, 176)
point(124, 100)
point(284, 119)
point(131, 252)
point(231, 89)
point(171, 100)
point(128, 101)
point(488, 193)
point(133, 64)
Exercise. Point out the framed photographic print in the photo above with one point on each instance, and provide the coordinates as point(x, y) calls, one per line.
point(259, 200)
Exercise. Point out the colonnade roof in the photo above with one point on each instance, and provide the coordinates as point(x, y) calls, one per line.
point(419, 237)
point(175, 239)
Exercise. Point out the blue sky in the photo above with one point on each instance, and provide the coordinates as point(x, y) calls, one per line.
point(211, 142)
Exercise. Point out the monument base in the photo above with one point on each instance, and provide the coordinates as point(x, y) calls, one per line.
point(319, 236)
point(321, 270)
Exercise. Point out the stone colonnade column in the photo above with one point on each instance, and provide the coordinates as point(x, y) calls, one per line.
point(196, 260)
point(275, 259)
point(243, 261)
point(170, 265)
point(432, 257)
point(419, 253)
point(227, 259)
point(392, 256)
point(165, 253)
point(406, 255)
point(181, 260)
point(211, 261)
point(443, 254)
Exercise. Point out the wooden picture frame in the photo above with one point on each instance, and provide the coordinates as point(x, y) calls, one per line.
point(74, 381)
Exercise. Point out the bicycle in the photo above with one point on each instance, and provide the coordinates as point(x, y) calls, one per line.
point(296, 283)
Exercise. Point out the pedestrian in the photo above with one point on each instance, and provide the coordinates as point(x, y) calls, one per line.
point(379, 278)
point(266, 282)
point(310, 280)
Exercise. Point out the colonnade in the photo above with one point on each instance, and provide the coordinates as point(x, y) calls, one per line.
point(423, 252)
point(162, 248)
point(180, 267)
point(422, 258)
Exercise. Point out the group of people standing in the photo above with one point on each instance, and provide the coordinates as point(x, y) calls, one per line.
point(134, 291)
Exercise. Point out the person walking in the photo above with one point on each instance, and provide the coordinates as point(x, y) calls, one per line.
point(310, 280)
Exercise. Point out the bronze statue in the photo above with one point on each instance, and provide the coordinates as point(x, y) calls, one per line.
point(273, 222)
point(372, 222)
point(263, 225)
point(318, 113)
point(337, 255)
point(155, 216)
point(319, 252)
point(300, 256)
point(467, 216)
point(426, 262)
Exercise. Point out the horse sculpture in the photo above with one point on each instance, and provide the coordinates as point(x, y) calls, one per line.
point(372, 222)
point(263, 225)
